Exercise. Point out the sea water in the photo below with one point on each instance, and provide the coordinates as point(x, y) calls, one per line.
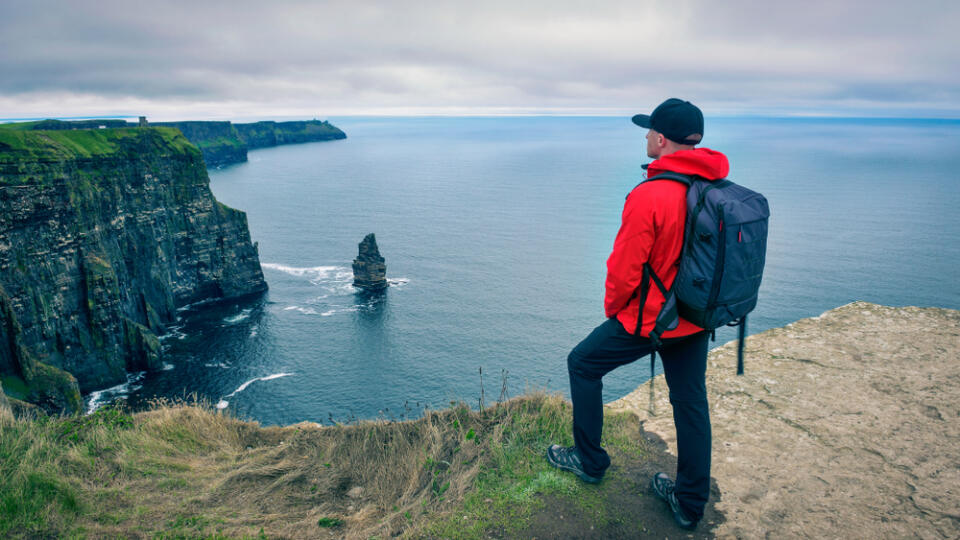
point(496, 233)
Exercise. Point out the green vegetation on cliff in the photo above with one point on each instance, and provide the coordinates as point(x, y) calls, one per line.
point(187, 472)
point(23, 145)
point(220, 142)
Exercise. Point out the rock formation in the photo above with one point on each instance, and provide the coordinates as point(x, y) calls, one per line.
point(369, 270)
point(104, 233)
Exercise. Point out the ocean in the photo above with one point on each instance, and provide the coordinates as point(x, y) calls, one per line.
point(496, 232)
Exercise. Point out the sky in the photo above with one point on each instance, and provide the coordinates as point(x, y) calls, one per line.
point(238, 59)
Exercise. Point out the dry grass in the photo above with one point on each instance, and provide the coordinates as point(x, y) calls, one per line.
point(186, 471)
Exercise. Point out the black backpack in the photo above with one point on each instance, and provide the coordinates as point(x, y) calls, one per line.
point(721, 263)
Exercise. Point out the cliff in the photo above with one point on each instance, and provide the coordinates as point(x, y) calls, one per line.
point(103, 234)
point(219, 142)
point(269, 133)
point(223, 143)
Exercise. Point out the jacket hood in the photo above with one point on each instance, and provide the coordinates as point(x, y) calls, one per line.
point(703, 162)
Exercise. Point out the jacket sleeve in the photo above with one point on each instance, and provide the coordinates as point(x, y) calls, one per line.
point(630, 250)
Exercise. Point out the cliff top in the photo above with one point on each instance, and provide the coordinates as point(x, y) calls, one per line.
point(25, 145)
point(845, 425)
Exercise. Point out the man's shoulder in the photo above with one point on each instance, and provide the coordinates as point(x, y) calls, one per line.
point(658, 188)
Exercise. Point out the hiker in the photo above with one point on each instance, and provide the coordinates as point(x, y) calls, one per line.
point(651, 232)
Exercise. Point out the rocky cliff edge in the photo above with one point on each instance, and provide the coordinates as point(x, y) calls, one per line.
point(845, 425)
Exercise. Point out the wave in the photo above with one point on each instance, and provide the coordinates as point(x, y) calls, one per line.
point(304, 310)
point(223, 403)
point(196, 304)
point(218, 364)
point(316, 274)
point(100, 398)
point(173, 332)
point(243, 315)
point(167, 367)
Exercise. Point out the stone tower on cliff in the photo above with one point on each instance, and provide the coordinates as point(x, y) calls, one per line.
point(369, 270)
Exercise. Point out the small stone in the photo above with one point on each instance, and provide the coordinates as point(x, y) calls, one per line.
point(355, 492)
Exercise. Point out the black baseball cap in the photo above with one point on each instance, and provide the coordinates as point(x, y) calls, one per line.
point(678, 120)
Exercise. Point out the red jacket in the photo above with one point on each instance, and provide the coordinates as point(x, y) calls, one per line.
point(652, 231)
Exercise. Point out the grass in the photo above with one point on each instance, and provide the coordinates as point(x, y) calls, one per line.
point(25, 145)
point(19, 126)
point(186, 471)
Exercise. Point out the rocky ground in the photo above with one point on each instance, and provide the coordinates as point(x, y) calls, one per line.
point(845, 425)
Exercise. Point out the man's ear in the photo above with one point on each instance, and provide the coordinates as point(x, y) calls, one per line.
point(661, 140)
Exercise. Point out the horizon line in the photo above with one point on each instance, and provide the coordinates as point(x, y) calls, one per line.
point(245, 118)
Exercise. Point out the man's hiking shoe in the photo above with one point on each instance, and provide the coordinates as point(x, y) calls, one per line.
point(663, 487)
point(568, 459)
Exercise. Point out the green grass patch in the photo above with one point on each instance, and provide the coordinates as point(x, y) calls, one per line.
point(181, 471)
point(14, 386)
point(61, 145)
point(20, 126)
point(329, 522)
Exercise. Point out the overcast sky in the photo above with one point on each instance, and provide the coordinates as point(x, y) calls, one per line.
point(236, 59)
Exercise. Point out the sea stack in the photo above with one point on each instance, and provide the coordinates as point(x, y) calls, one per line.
point(369, 270)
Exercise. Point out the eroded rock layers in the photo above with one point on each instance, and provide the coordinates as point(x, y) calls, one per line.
point(369, 268)
point(103, 235)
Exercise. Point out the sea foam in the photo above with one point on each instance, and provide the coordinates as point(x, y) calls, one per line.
point(223, 403)
point(101, 397)
point(313, 273)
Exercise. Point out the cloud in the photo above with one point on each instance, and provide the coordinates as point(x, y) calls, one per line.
point(241, 57)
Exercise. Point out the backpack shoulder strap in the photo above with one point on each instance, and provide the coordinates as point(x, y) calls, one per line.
point(684, 179)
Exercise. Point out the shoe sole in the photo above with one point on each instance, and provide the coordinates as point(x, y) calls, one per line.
point(580, 474)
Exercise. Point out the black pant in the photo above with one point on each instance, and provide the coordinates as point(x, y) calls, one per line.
point(609, 346)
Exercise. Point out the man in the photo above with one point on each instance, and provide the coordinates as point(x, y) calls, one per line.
point(651, 232)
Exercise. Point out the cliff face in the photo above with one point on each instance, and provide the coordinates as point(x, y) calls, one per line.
point(265, 134)
point(103, 234)
point(219, 142)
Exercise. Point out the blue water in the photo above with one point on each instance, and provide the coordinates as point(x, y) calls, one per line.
point(496, 232)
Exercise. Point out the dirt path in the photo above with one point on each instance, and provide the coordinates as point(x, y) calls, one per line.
point(846, 425)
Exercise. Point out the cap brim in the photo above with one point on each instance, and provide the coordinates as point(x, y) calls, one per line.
point(642, 120)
